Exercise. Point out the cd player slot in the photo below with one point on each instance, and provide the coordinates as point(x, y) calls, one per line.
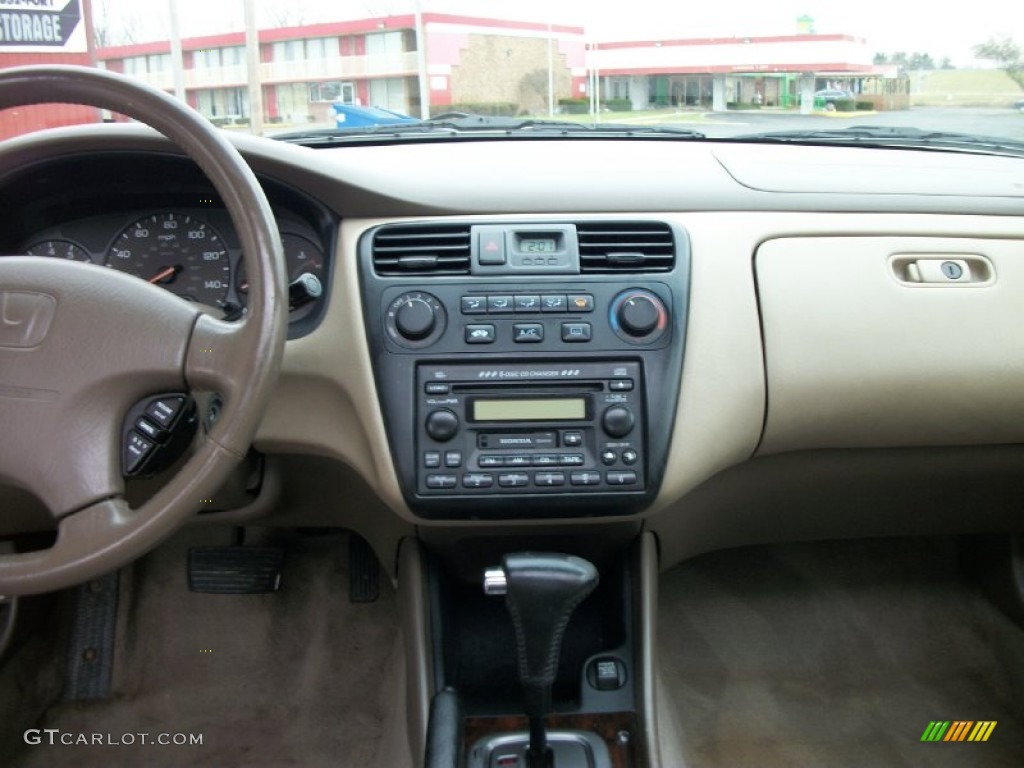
point(532, 388)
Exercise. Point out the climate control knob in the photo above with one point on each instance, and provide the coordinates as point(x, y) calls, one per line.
point(415, 319)
point(639, 316)
point(442, 424)
point(618, 421)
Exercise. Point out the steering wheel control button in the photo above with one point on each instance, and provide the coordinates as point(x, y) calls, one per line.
point(621, 478)
point(527, 333)
point(553, 303)
point(432, 459)
point(441, 482)
point(480, 334)
point(618, 421)
point(513, 479)
point(501, 304)
point(442, 425)
point(165, 410)
point(585, 478)
point(580, 302)
point(527, 303)
point(150, 430)
point(137, 450)
point(630, 457)
point(638, 316)
point(576, 333)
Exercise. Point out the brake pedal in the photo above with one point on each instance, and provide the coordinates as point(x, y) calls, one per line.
point(363, 571)
point(235, 570)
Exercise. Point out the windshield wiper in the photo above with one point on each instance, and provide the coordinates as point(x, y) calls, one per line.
point(483, 125)
point(892, 136)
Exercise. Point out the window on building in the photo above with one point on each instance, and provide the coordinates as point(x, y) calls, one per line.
point(223, 102)
point(332, 91)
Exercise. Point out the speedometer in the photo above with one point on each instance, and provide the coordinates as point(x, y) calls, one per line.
point(177, 252)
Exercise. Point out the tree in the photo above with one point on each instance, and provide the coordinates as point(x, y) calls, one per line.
point(946, 63)
point(921, 61)
point(1006, 54)
point(881, 58)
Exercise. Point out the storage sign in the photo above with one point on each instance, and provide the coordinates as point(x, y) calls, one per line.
point(39, 26)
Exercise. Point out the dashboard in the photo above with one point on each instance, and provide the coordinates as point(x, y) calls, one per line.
point(793, 374)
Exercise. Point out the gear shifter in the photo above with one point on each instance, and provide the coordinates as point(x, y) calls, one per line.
point(541, 592)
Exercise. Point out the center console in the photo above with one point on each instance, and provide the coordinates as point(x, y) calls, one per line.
point(526, 369)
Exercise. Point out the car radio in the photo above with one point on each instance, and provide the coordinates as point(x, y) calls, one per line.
point(530, 428)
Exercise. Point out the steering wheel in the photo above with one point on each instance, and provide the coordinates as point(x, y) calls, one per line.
point(80, 344)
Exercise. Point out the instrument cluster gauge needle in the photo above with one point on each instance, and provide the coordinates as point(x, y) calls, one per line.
point(165, 276)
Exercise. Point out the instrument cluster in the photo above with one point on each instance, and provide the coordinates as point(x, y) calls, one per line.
point(191, 252)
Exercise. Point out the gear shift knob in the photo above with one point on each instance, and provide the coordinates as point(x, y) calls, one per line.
point(541, 592)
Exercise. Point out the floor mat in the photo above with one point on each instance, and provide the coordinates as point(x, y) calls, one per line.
point(298, 677)
point(836, 654)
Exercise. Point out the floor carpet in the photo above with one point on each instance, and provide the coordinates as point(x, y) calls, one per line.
point(836, 654)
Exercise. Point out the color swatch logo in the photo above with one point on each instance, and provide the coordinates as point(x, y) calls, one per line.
point(958, 730)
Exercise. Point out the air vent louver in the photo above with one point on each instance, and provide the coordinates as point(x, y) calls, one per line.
point(421, 250)
point(629, 246)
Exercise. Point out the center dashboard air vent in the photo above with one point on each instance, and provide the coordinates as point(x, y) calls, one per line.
point(422, 249)
point(625, 246)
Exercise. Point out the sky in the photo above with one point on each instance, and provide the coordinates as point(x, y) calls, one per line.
point(888, 25)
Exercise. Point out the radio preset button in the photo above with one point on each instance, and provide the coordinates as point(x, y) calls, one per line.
point(553, 303)
point(474, 305)
point(585, 478)
point(572, 439)
point(453, 459)
point(576, 333)
point(499, 304)
point(441, 481)
point(621, 478)
point(513, 479)
point(432, 459)
point(630, 457)
point(549, 478)
point(527, 303)
point(490, 460)
point(442, 424)
point(477, 480)
point(609, 457)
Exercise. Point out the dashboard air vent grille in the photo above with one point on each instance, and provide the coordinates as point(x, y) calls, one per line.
point(626, 246)
point(422, 249)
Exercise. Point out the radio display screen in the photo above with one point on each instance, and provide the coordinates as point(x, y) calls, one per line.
point(530, 409)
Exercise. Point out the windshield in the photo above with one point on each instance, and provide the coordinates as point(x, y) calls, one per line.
point(745, 70)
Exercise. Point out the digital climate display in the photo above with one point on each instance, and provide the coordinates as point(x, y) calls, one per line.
point(530, 409)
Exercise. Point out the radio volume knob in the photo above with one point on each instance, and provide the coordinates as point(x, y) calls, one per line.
point(415, 318)
point(442, 424)
point(618, 421)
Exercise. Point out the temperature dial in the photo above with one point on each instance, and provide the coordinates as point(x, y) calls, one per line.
point(415, 319)
point(639, 316)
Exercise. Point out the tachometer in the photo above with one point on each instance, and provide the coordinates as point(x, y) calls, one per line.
point(177, 252)
point(59, 249)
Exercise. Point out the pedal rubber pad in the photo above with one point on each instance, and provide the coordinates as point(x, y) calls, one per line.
point(363, 571)
point(90, 661)
point(235, 570)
